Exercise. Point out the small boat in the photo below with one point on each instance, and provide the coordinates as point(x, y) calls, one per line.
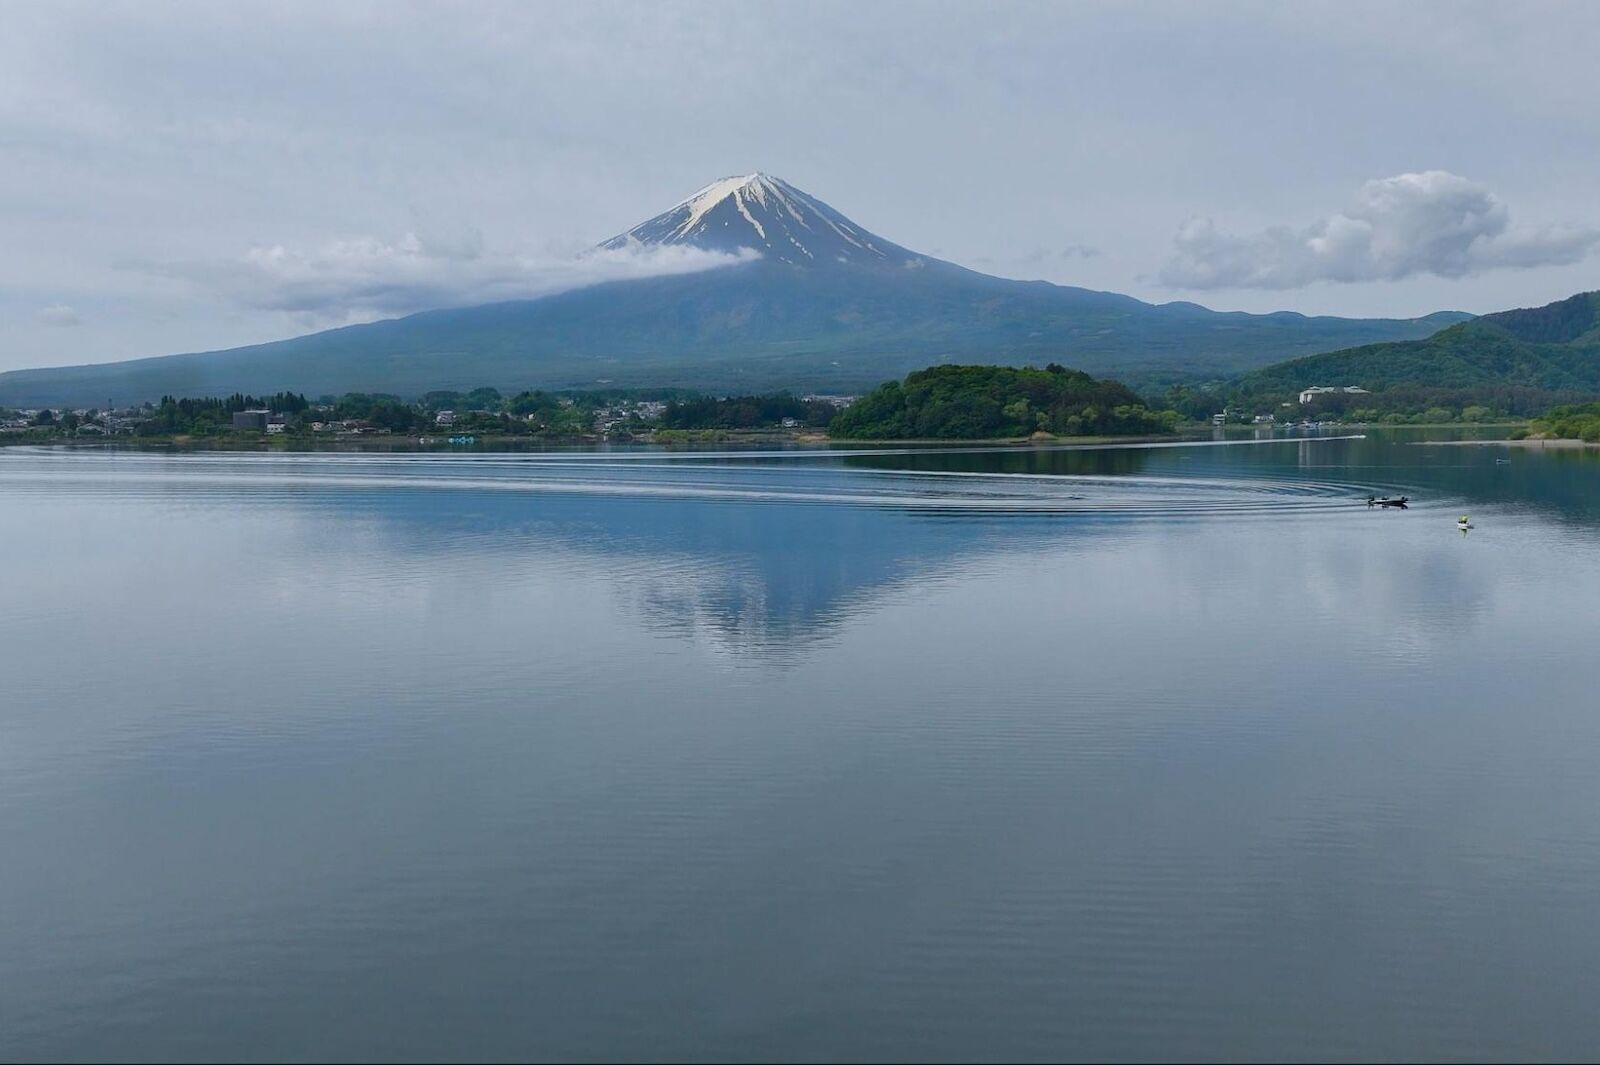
point(1464, 523)
point(1397, 502)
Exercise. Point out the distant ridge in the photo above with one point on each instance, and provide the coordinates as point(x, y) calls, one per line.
point(820, 302)
point(1553, 348)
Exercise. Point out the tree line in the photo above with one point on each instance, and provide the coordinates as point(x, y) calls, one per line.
point(1577, 421)
point(746, 412)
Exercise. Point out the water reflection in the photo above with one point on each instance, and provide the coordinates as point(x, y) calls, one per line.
point(1175, 752)
point(762, 554)
point(757, 579)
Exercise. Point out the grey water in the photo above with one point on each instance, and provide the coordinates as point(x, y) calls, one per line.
point(1124, 753)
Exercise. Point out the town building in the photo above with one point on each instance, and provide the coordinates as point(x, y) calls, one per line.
point(1319, 390)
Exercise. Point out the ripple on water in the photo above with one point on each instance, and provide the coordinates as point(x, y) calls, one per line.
point(815, 478)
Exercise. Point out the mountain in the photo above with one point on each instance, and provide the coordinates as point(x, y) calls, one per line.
point(820, 303)
point(772, 217)
point(1555, 348)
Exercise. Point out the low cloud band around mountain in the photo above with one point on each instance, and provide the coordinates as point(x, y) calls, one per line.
point(366, 278)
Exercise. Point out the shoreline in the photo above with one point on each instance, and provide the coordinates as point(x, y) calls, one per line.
point(1528, 443)
point(801, 438)
point(395, 443)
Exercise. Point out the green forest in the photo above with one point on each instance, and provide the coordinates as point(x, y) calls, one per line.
point(1570, 422)
point(174, 415)
point(1551, 350)
point(746, 412)
point(986, 402)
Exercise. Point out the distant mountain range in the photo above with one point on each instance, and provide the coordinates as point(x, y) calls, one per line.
point(825, 305)
point(1555, 348)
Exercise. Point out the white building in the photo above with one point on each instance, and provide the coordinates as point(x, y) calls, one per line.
point(1319, 390)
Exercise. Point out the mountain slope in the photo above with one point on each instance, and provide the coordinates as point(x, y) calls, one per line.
point(1553, 348)
point(826, 305)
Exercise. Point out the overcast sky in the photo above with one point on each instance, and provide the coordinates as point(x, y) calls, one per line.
point(179, 178)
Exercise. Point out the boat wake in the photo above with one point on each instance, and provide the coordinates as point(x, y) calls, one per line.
point(820, 478)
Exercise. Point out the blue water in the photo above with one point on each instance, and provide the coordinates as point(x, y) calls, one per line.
point(1122, 753)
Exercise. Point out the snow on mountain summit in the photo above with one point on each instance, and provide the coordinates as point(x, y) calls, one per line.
point(772, 217)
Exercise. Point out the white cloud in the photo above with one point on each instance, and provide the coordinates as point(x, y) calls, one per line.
point(1433, 222)
point(58, 314)
point(364, 278)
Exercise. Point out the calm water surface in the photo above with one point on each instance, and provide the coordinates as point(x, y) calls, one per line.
point(1127, 753)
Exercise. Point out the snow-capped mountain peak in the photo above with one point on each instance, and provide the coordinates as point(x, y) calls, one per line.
point(771, 216)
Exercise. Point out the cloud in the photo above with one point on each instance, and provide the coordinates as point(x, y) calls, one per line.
point(364, 278)
point(1433, 222)
point(58, 315)
point(1050, 256)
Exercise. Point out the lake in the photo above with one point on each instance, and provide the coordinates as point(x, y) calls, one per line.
point(949, 754)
